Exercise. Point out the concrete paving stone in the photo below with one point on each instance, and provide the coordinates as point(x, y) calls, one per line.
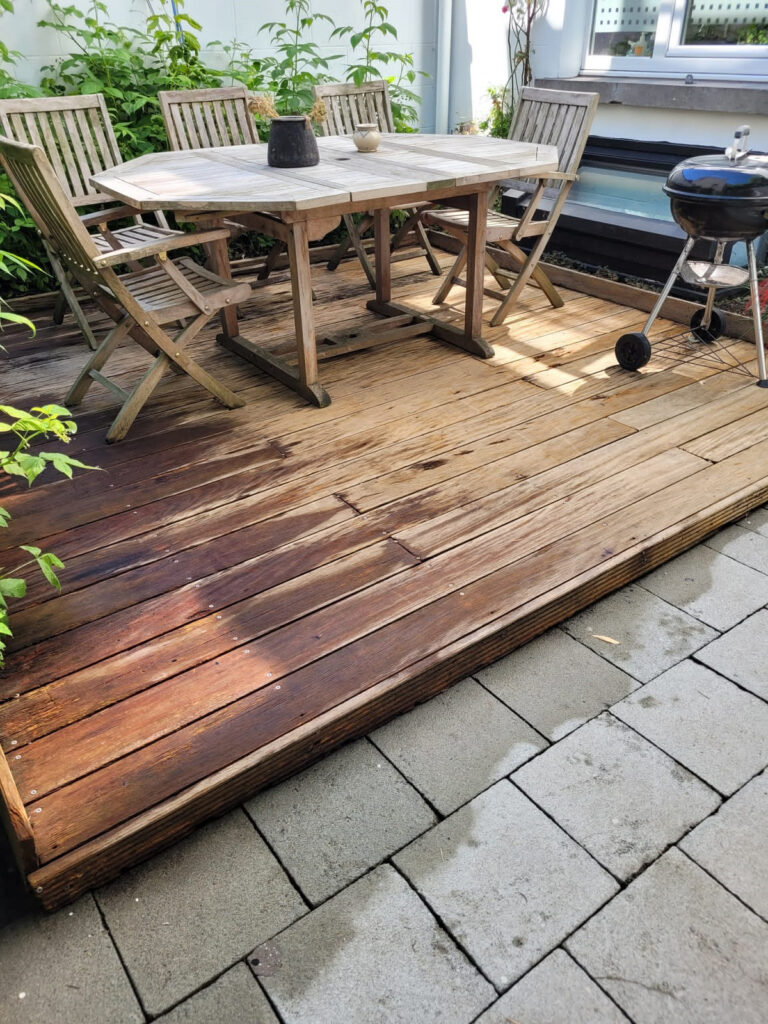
point(618, 796)
point(556, 991)
point(63, 968)
point(234, 998)
point(741, 654)
point(675, 948)
point(339, 818)
point(743, 544)
point(757, 520)
point(732, 844)
point(710, 586)
point(189, 913)
point(652, 635)
point(556, 683)
point(705, 722)
point(505, 880)
point(458, 744)
point(374, 954)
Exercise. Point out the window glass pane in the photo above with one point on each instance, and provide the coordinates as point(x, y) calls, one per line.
point(624, 28)
point(724, 22)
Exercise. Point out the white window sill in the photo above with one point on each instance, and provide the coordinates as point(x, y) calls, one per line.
point(669, 93)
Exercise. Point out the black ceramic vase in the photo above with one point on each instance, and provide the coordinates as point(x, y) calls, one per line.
point(292, 143)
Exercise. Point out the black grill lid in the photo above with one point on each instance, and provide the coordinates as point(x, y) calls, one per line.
point(717, 177)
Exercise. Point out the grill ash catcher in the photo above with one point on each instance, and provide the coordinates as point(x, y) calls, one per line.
point(721, 199)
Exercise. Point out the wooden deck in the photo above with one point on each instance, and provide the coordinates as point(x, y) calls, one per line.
point(244, 590)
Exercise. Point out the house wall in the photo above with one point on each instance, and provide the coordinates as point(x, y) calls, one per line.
point(478, 57)
point(416, 22)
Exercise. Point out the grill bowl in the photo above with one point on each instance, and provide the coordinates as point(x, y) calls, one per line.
point(716, 198)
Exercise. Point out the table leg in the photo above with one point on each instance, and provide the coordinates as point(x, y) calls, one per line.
point(218, 261)
point(304, 380)
point(383, 264)
point(470, 337)
point(473, 311)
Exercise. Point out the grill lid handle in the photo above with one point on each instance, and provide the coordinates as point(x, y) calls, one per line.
point(739, 148)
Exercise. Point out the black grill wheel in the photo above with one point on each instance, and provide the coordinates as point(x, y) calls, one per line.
point(711, 333)
point(633, 350)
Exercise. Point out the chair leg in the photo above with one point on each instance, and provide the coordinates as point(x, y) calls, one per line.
point(357, 244)
point(68, 293)
point(133, 405)
point(429, 252)
point(527, 271)
point(493, 267)
point(450, 277)
point(537, 273)
point(271, 261)
point(59, 308)
point(84, 379)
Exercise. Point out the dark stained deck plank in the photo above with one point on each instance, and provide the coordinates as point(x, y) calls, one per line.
point(247, 589)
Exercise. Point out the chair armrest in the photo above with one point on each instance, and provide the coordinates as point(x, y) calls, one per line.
point(555, 175)
point(105, 216)
point(162, 245)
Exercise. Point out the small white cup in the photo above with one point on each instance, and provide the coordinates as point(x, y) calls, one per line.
point(367, 137)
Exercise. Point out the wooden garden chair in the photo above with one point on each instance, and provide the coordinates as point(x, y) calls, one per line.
point(208, 118)
point(77, 136)
point(549, 117)
point(140, 302)
point(345, 106)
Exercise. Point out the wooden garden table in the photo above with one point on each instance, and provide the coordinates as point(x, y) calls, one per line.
point(301, 204)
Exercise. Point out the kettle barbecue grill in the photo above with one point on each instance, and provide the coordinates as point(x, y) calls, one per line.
point(722, 199)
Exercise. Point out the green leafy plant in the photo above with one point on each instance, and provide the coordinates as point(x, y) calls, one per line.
point(10, 87)
point(375, 60)
point(24, 428)
point(129, 66)
point(298, 63)
point(521, 17)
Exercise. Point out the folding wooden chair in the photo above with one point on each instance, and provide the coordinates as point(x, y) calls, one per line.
point(140, 302)
point(548, 117)
point(345, 106)
point(77, 136)
point(207, 118)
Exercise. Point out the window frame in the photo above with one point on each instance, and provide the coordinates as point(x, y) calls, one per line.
point(673, 59)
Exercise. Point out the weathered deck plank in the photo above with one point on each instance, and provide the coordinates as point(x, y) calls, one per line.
point(245, 590)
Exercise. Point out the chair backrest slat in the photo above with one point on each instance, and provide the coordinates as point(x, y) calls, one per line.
point(41, 190)
point(204, 118)
point(347, 105)
point(75, 133)
point(555, 117)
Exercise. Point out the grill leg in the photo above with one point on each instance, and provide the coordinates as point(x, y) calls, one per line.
point(668, 286)
point(757, 318)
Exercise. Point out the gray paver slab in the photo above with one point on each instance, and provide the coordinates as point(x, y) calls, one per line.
point(675, 948)
point(373, 953)
point(505, 880)
point(556, 991)
point(189, 913)
point(709, 585)
point(744, 545)
point(652, 635)
point(619, 796)
point(705, 722)
point(757, 520)
point(234, 998)
point(733, 844)
point(556, 683)
point(742, 654)
point(458, 744)
point(339, 818)
point(63, 967)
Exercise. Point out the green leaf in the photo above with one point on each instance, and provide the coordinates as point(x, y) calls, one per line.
point(12, 587)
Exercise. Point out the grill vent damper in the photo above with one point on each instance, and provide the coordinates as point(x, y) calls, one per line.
point(723, 199)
